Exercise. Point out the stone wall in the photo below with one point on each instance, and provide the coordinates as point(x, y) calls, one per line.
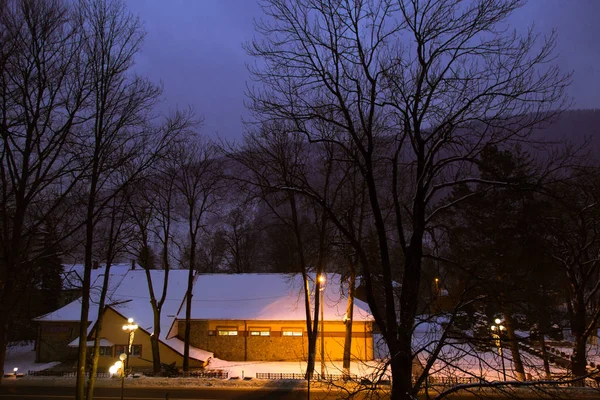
point(276, 346)
point(53, 340)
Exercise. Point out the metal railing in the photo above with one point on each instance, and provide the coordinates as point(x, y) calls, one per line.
point(64, 374)
point(296, 376)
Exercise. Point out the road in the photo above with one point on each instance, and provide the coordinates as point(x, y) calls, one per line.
point(68, 393)
point(21, 392)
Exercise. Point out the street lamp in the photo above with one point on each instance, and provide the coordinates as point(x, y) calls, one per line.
point(117, 369)
point(130, 327)
point(322, 281)
point(497, 330)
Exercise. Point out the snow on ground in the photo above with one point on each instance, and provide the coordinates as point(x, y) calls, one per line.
point(455, 360)
point(251, 368)
point(592, 352)
point(460, 359)
point(22, 355)
point(179, 346)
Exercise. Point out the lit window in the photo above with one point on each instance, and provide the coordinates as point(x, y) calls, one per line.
point(105, 351)
point(227, 331)
point(136, 350)
point(260, 332)
point(291, 332)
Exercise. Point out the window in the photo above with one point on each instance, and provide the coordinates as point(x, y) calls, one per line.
point(291, 332)
point(227, 331)
point(105, 351)
point(260, 331)
point(136, 350)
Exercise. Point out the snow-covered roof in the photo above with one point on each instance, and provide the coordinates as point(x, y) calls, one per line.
point(73, 275)
point(128, 295)
point(132, 297)
point(215, 296)
point(90, 343)
point(70, 312)
point(73, 279)
point(276, 297)
point(178, 345)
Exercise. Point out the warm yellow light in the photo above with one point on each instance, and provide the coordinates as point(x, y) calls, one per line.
point(123, 356)
point(130, 320)
point(497, 321)
point(113, 369)
point(437, 280)
point(15, 369)
point(493, 327)
point(119, 364)
point(322, 278)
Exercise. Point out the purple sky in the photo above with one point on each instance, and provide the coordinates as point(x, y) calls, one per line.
point(195, 48)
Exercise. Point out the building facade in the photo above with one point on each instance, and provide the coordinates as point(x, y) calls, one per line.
point(255, 340)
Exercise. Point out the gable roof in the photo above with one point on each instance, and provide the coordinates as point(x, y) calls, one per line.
point(215, 296)
point(275, 297)
point(132, 297)
point(128, 295)
point(72, 275)
point(73, 279)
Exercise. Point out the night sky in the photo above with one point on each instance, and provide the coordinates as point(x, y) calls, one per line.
point(195, 48)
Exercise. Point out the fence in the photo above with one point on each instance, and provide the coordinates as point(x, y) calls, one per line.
point(64, 374)
point(453, 380)
point(217, 373)
point(296, 376)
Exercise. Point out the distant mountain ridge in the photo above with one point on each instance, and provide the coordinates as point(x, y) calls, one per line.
point(574, 126)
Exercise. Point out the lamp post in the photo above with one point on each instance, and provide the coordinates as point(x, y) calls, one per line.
point(130, 327)
point(322, 281)
point(497, 330)
point(117, 368)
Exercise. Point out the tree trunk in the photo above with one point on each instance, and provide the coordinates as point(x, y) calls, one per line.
point(188, 311)
point(3, 344)
point(312, 338)
point(348, 321)
point(98, 329)
point(312, 355)
point(83, 325)
point(156, 310)
point(579, 362)
point(313, 332)
point(545, 356)
point(94, 367)
point(154, 340)
point(87, 275)
point(401, 367)
point(514, 348)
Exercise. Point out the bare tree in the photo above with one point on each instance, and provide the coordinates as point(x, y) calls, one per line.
point(119, 144)
point(573, 225)
point(115, 244)
point(42, 92)
point(416, 90)
point(241, 237)
point(152, 210)
point(275, 164)
point(198, 183)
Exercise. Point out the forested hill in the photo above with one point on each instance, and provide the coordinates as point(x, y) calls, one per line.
point(575, 126)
